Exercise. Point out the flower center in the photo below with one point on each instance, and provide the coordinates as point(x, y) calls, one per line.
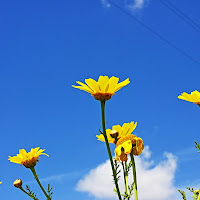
point(102, 96)
point(30, 162)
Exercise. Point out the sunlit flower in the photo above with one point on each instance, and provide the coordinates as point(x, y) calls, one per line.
point(194, 97)
point(124, 130)
point(29, 159)
point(127, 144)
point(104, 89)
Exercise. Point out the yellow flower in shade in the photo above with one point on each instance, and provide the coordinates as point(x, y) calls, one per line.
point(124, 130)
point(194, 97)
point(127, 144)
point(104, 89)
point(29, 159)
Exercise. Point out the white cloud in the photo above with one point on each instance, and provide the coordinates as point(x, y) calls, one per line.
point(155, 182)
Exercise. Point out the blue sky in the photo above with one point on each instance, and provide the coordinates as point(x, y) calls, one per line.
point(46, 46)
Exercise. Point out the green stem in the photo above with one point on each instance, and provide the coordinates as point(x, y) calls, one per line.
point(108, 149)
point(134, 175)
point(125, 178)
point(25, 192)
point(38, 181)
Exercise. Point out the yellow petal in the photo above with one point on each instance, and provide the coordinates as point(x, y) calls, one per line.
point(84, 85)
point(117, 128)
point(127, 147)
point(112, 84)
point(82, 88)
point(23, 153)
point(101, 137)
point(122, 84)
point(132, 127)
point(15, 159)
point(118, 152)
point(103, 82)
point(92, 84)
point(125, 128)
point(187, 97)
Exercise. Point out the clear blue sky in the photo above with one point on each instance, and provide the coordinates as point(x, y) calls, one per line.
point(45, 46)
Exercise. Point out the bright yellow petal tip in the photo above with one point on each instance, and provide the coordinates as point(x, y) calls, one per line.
point(1, 182)
point(29, 159)
point(194, 97)
point(104, 88)
point(120, 131)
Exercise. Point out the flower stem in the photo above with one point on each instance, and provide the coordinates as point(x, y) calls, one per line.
point(125, 179)
point(38, 181)
point(108, 149)
point(134, 175)
point(22, 189)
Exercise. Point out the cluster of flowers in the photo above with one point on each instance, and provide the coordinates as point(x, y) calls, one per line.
point(126, 143)
point(103, 90)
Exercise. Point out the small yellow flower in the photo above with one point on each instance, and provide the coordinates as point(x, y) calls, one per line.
point(104, 89)
point(0, 182)
point(126, 129)
point(193, 97)
point(127, 144)
point(29, 159)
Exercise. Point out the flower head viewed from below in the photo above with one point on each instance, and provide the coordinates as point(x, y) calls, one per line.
point(127, 144)
point(29, 159)
point(118, 132)
point(104, 89)
point(194, 97)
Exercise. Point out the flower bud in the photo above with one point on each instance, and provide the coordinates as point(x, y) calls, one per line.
point(17, 183)
point(114, 134)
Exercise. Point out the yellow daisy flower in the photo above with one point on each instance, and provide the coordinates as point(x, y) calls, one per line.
point(29, 159)
point(126, 129)
point(104, 89)
point(127, 144)
point(193, 97)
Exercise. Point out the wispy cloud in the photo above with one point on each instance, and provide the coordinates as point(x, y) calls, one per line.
point(57, 178)
point(155, 182)
point(133, 5)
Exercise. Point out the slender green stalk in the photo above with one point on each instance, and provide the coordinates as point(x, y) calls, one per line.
point(38, 181)
point(124, 166)
point(25, 192)
point(108, 149)
point(134, 175)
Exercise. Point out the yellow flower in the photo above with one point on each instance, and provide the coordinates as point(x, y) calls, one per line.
point(29, 159)
point(193, 97)
point(126, 129)
point(0, 182)
point(104, 89)
point(127, 144)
